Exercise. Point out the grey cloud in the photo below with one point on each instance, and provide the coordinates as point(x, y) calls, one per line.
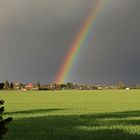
point(35, 36)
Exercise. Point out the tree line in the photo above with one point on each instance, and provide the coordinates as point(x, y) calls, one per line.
point(64, 86)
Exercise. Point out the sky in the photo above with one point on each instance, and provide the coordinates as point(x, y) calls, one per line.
point(35, 36)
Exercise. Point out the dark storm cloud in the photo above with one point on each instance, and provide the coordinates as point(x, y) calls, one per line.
point(35, 36)
point(115, 53)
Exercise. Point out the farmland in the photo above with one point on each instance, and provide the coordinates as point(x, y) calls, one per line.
point(73, 115)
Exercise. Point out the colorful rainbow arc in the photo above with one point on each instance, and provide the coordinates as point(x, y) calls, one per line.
point(78, 43)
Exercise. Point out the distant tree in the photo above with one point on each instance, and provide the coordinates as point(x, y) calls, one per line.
point(1, 86)
point(38, 85)
point(62, 86)
point(69, 85)
point(121, 85)
point(3, 122)
point(21, 85)
point(95, 87)
point(11, 85)
point(6, 85)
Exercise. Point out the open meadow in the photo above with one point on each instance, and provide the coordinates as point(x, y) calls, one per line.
point(73, 115)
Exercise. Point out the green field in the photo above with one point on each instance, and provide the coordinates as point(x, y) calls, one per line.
point(73, 115)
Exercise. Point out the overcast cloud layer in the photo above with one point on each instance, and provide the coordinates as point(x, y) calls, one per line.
point(35, 36)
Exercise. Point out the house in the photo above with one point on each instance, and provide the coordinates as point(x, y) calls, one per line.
point(29, 86)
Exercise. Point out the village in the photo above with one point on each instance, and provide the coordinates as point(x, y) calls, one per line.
point(68, 86)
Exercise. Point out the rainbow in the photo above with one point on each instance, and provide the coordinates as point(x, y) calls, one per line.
point(81, 38)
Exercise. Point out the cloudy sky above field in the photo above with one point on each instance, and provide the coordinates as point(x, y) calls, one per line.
point(35, 36)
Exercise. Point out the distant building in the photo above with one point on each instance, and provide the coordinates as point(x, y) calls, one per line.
point(17, 85)
point(29, 86)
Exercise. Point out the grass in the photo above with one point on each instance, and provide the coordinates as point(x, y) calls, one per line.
point(73, 115)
